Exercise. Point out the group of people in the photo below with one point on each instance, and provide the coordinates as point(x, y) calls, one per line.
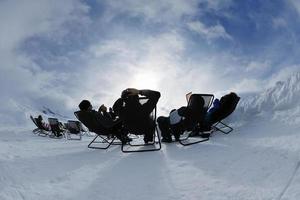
point(129, 115)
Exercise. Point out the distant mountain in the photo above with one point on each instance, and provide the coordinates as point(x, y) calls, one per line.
point(48, 111)
point(280, 102)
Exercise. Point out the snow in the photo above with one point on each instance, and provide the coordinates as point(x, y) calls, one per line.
point(259, 160)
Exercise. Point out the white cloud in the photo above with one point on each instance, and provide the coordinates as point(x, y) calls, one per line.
point(283, 74)
point(249, 85)
point(209, 32)
point(295, 4)
point(258, 67)
point(118, 54)
point(166, 11)
point(279, 23)
point(22, 80)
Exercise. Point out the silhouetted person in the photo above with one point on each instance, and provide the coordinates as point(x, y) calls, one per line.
point(101, 122)
point(183, 119)
point(135, 116)
point(41, 123)
point(221, 109)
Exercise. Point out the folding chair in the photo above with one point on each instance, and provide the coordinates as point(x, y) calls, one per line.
point(137, 144)
point(73, 129)
point(101, 138)
point(221, 114)
point(40, 130)
point(208, 100)
point(56, 128)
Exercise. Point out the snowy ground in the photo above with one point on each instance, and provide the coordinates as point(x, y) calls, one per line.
point(257, 161)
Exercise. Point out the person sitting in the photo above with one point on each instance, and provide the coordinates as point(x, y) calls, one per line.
point(183, 119)
point(42, 124)
point(135, 116)
point(101, 123)
point(221, 109)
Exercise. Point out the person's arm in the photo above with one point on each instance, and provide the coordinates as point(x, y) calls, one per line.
point(104, 120)
point(153, 97)
point(182, 111)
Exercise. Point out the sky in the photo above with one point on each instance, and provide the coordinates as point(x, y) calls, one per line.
point(56, 53)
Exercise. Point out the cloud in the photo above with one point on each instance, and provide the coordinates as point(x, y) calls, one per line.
point(166, 11)
point(209, 32)
point(295, 4)
point(279, 23)
point(58, 53)
point(22, 80)
point(258, 67)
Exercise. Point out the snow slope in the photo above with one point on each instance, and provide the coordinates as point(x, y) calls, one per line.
point(259, 160)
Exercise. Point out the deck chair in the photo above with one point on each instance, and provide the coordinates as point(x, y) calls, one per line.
point(185, 139)
point(73, 130)
point(102, 140)
point(40, 130)
point(223, 113)
point(57, 128)
point(137, 144)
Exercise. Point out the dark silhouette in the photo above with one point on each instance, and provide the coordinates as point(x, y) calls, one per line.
point(136, 116)
point(100, 121)
point(57, 128)
point(41, 124)
point(222, 109)
point(182, 119)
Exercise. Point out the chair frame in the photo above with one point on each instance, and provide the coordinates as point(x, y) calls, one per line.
point(156, 138)
point(69, 132)
point(55, 129)
point(221, 125)
point(104, 139)
point(40, 131)
point(181, 140)
point(222, 128)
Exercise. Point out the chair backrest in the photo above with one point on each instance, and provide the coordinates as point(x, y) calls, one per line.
point(74, 126)
point(91, 122)
point(33, 120)
point(225, 110)
point(208, 100)
point(141, 123)
point(38, 123)
point(55, 125)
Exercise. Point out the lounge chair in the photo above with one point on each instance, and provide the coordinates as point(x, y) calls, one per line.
point(57, 128)
point(102, 140)
point(73, 130)
point(221, 114)
point(40, 130)
point(137, 139)
point(185, 139)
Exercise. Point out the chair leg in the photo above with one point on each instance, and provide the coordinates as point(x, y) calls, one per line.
point(35, 131)
point(103, 141)
point(156, 135)
point(42, 133)
point(181, 141)
point(223, 127)
point(69, 136)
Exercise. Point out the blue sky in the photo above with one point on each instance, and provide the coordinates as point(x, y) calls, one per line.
point(56, 53)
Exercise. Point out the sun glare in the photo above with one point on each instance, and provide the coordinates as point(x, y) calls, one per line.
point(145, 80)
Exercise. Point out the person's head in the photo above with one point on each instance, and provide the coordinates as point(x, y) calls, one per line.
point(129, 98)
point(196, 102)
point(40, 117)
point(85, 105)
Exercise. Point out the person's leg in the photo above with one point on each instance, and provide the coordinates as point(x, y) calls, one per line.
point(164, 126)
point(118, 131)
point(149, 134)
point(177, 130)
